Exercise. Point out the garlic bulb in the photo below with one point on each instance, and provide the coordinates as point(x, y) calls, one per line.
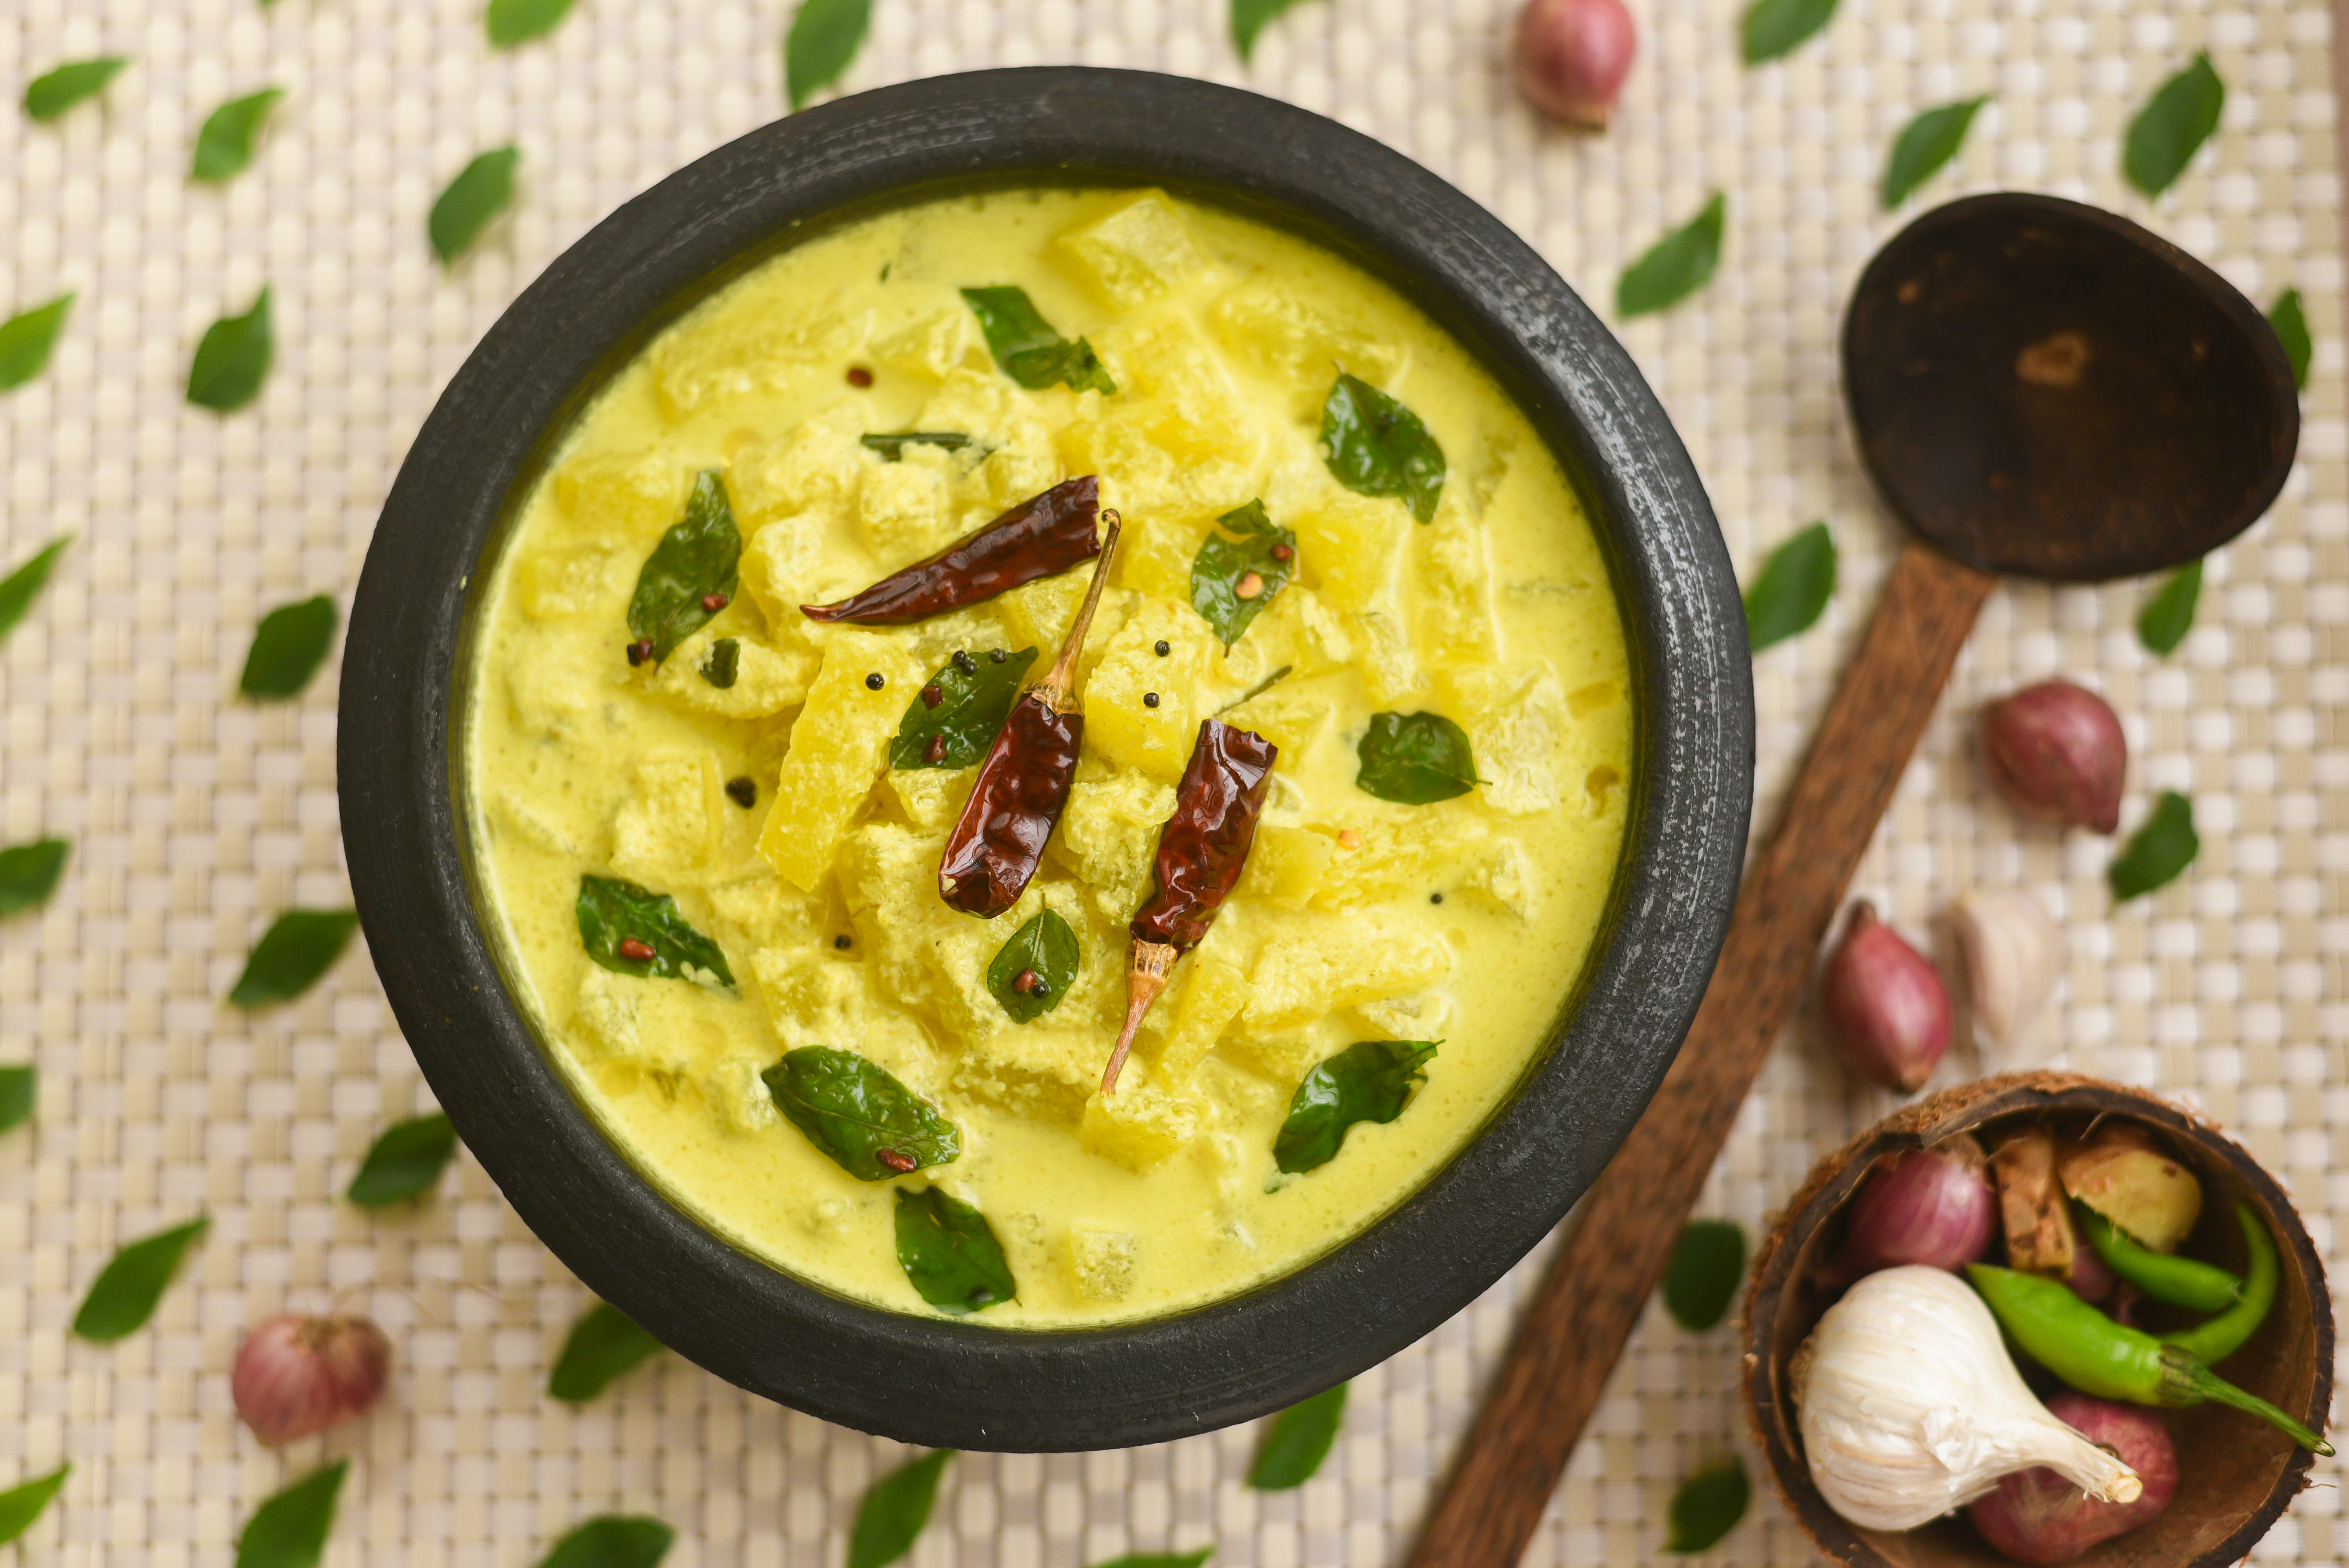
point(2014, 954)
point(1910, 1406)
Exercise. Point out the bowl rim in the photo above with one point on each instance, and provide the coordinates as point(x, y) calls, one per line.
point(956, 1383)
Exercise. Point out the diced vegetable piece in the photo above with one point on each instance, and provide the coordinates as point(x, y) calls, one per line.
point(1349, 547)
point(2122, 1175)
point(667, 829)
point(1196, 412)
point(1109, 833)
point(627, 497)
point(1120, 724)
point(1311, 965)
point(1299, 342)
point(563, 583)
point(1454, 622)
point(1286, 866)
point(748, 348)
point(1141, 1124)
point(840, 744)
point(902, 510)
point(1211, 995)
point(2031, 1205)
point(766, 680)
point(1136, 252)
point(1409, 852)
point(1515, 716)
point(1101, 1264)
point(1142, 479)
point(817, 466)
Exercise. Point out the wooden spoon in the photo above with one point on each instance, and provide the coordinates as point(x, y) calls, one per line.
point(2038, 388)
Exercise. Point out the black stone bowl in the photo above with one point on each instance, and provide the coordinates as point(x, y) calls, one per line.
point(930, 1380)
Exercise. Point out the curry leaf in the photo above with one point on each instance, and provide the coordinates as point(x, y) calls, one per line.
point(1701, 1279)
point(1926, 143)
point(974, 697)
point(613, 914)
point(950, 1252)
point(1417, 759)
point(894, 1511)
point(224, 145)
point(1045, 950)
point(1675, 266)
point(53, 92)
point(124, 1294)
point(20, 1505)
point(603, 1345)
point(510, 21)
point(1250, 18)
point(1794, 589)
point(289, 1530)
point(296, 949)
point(2290, 323)
point(2168, 615)
point(2159, 850)
point(288, 646)
point(406, 1159)
point(18, 1087)
point(22, 586)
point(1262, 551)
point(29, 873)
point(1026, 346)
point(891, 447)
point(26, 339)
point(1374, 445)
point(724, 665)
point(691, 569)
point(1708, 1505)
point(824, 37)
point(612, 1541)
point(1774, 28)
point(857, 1112)
point(1162, 1558)
point(1298, 1441)
point(232, 359)
point(1369, 1080)
point(2172, 127)
point(483, 189)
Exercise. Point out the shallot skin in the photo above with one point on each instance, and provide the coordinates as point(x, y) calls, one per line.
point(1929, 1206)
point(2055, 751)
point(296, 1375)
point(1887, 1012)
point(1572, 57)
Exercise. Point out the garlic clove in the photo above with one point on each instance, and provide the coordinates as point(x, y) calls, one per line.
point(296, 1375)
point(1572, 57)
point(2014, 953)
point(1887, 1012)
point(2055, 751)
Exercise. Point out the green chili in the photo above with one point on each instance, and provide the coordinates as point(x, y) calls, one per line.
point(2099, 1356)
point(2215, 1339)
point(2181, 1281)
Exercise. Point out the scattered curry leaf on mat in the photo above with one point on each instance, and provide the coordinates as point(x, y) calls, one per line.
point(1044, 951)
point(1369, 1080)
point(20, 1505)
point(974, 698)
point(22, 586)
point(123, 1296)
point(232, 359)
point(52, 93)
point(1249, 19)
point(224, 145)
point(692, 569)
point(604, 1344)
point(860, 1114)
point(512, 22)
point(822, 43)
point(1026, 346)
point(1708, 1505)
point(2172, 127)
point(1161, 1558)
point(612, 1541)
point(1924, 144)
point(483, 189)
point(2290, 322)
point(406, 1159)
point(950, 1253)
point(1796, 582)
point(2168, 615)
point(1415, 758)
point(1297, 1442)
point(1775, 27)
point(1675, 266)
point(288, 646)
point(27, 338)
point(615, 915)
point(19, 1086)
point(2158, 851)
point(1376, 447)
point(892, 1513)
point(1263, 550)
point(299, 947)
point(1701, 1279)
point(29, 873)
point(289, 1530)
point(892, 445)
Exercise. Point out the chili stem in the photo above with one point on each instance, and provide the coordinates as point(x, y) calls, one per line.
point(2219, 1391)
point(1059, 688)
point(1146, 970)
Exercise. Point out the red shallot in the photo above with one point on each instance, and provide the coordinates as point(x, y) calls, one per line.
point(1887, 1012)
point(1930, 1206)
point(296, 1375)
point(2038, 1516)
point(1572, 57)
point(2055, 751)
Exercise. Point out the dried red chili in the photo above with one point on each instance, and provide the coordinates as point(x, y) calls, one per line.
point(1201, 853)
point(1024, 780)
point(1040, 536)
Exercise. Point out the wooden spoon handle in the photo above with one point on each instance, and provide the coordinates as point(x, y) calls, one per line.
point(1592, 1297)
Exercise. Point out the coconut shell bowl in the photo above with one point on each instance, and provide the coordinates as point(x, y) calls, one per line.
point(2236, 1475)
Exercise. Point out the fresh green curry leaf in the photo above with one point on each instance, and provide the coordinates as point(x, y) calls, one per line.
point(26, 339)
point(857, 1112)
point(604, 1344)
point(612, 1541)
point(974, 697)
point(289, 1530)
point(2168, 615)
point(1775, 27)
point(1794, 589)
point(288, 646)
point(690, 575)
point(2286, 315)
point(1701, 1279)
point(20, 1505)
point(1026, 346)
point(1297, 1442)
point(1369, 1080)
point(406, 1159)
point(724, 665)
point(29, 873)
point(824, 37)
point(52, 93)
point(19, 1086)
point(894, 1513)
point(2158, 851)
point(1376, 447)
point(224, 145)
point(299, 947)
point(1675, 266)
point(1416, 758)
point(123, 1296)
point(892, 447)
point(1708, 1505)
point(1044, 951)
point(950, 1252)
point(616, 917)
point(2172, 127)
point(232, 359)
point(22, 586)
point(1224, 566)
point(1161, 1558)
point(512, 22)
point(1925, 144)
point(1250, 18)
point(483, 189)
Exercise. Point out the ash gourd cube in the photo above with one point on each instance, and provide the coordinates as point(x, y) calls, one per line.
point(1300, 345)
point(1141, 1124)
point(1139, 478)
point(1454, 579)
point(1109, 836)
point(748, 348)
point(1213, 990)
point(934, 345)
point(902, 511)
point(1286, 865)
point(1515, 716)
point(1193, 410)
point(1100, 1263)
point(1120, 726)
point(1313, 964)
point(1135, 253)
point(839, 745)
point(1402, 853)
point(816, 467)
point(767, 679)
point(667, 832)
point(620, 498)
point(567, 582)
